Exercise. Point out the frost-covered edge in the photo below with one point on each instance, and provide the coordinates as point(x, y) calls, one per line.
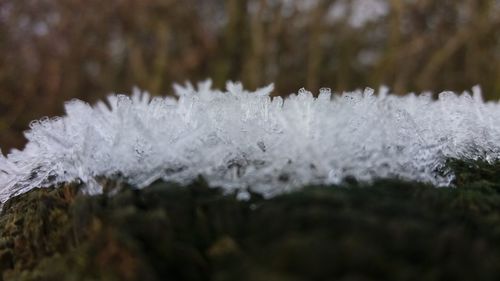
point(239, 139)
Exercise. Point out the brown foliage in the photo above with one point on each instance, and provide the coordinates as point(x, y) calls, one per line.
point(56, 50)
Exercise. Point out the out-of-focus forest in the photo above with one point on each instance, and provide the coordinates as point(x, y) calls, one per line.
point(56, 50)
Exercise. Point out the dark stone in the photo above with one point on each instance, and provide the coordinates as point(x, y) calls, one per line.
point(388, 230)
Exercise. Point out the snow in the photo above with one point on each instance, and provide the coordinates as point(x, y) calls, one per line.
point(242, 140)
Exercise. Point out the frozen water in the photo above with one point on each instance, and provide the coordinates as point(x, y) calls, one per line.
point(239, 139)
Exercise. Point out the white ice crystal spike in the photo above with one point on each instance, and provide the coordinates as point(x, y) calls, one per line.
point(239, 139)
point(265, 91)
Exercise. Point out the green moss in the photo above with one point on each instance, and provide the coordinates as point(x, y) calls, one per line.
point(389, 230)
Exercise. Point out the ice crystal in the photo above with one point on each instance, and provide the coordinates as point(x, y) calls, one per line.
point(239, 139)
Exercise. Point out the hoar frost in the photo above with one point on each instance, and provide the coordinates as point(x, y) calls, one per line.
point(247, 140)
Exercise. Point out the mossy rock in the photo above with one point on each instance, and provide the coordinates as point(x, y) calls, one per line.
point(388, 230)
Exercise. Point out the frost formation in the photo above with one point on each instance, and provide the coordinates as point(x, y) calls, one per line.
point(239, 139)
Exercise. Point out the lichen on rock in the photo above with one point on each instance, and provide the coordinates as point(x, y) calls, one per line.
point(387, 230)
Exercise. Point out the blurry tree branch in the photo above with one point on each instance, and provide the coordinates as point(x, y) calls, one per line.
point(56, 50)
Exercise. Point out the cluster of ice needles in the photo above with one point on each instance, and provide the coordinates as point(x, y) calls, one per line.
point(238, 139)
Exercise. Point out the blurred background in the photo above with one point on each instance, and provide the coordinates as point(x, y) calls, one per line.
point(54, 50)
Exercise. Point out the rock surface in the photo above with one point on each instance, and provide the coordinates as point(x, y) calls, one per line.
point(390, 230)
